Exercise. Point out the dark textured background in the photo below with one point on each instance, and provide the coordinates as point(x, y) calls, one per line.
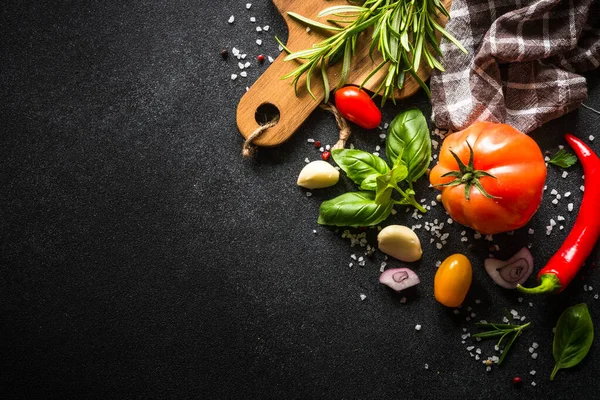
point(142, 257)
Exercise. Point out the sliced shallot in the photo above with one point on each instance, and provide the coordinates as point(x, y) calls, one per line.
point(511, 272)
point(399, 278)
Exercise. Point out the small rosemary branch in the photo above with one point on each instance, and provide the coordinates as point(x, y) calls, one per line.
point(404, 33)
point(502, 330)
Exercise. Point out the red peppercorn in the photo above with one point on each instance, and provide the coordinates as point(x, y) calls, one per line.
point(517, 380)
point(325, 155)
point(317, 144)
point(261, 58)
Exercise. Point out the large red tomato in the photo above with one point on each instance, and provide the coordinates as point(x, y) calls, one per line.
point(498, 184)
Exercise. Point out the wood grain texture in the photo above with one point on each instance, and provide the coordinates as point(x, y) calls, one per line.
point(294, 109)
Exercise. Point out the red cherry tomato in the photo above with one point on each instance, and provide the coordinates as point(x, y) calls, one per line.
point(357, 106)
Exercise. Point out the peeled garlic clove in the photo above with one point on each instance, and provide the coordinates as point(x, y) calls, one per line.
point(400, 242)
point(318, 175)
point(399, 278)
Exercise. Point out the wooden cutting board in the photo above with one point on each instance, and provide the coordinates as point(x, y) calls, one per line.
point(294, 109)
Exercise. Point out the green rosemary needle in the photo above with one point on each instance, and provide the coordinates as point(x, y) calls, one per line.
point(403, 32)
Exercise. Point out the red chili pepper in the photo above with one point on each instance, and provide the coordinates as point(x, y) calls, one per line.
point(566, 262)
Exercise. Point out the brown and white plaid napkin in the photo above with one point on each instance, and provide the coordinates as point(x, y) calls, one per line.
point(522, 64)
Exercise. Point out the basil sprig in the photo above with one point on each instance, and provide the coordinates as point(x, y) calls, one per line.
point(408, 149)
point(573, 338)
point(408, 142)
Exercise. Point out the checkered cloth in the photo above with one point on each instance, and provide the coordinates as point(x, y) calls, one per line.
point(522, 64)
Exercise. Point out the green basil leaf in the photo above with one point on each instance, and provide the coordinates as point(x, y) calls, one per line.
point(384, 189)
point(408, 140)
point(354, 209)
point(370, 183)
point(573, 337)
point(360, 165)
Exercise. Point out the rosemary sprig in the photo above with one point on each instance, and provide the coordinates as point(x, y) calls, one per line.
point(502, 330)
point(404, 33)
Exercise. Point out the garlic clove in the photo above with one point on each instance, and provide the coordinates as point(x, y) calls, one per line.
point(400, 242)
point(317, 175)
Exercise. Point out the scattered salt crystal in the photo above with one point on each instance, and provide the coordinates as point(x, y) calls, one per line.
point(314, 231)
point(266, 28)
point(582, 188)
point(564, 174)
point(310, 140)
point(596, 296)
point(555, 202)
point(243, 74)
point(258, 29)
point(591, 137)
point(546, 158)
point(306, 160)
point(531, 350)
point(382, 135)
point(570, 207)
point(455, 312)
point(567, 194)
point(231, 19)
point(248, 5)
point(418, 327)
point(233, 77)
point(403, 300)
point(477, 301)
point(514, 312)
point(363, 296)
point(535, 345)
point(477, 357)
point(534, 356)
point(307, 29)
point(560, 218)
point(252, 19)
point(438, 246)
point(533, 383)
point(270, 59)
point(552, 222)
point(553, 192)
point(477, 235)
point(488, 368)
point(258, 42)
point(558, 197)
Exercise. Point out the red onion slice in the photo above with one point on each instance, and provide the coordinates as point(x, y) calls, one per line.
point(511, 272)
point(399, 278)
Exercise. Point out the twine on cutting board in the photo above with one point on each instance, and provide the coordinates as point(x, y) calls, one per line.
point(248, 149)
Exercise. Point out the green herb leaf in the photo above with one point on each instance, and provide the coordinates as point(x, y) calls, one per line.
point(408, 140)
point(563, 159)
point(342, 9)
point(354, 209)
point(312, 23)
point(359, 166)
point(573, 338)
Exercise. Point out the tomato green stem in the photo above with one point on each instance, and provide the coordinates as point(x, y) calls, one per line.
point(549, 283)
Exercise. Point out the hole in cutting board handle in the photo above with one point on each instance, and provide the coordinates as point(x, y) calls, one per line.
point(266, 113)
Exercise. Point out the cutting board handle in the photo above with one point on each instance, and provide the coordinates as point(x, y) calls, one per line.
point(271, 89)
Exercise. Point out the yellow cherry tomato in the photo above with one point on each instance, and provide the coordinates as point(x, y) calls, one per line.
point(453, 280)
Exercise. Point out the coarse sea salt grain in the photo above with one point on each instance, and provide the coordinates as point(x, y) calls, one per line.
point(233, 77)
point(363, 296)
point(270, 59)
point(570, 206)
point(258, 29)
point(418, 327)
point(258, 42)
point(266, 28)
point(231, 19)
point(564, 174)
point(591, 137)
point(243, 74)
point(252, 19)
point(248, 5)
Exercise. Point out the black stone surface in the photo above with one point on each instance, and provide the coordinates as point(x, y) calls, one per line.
point(142, 257)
